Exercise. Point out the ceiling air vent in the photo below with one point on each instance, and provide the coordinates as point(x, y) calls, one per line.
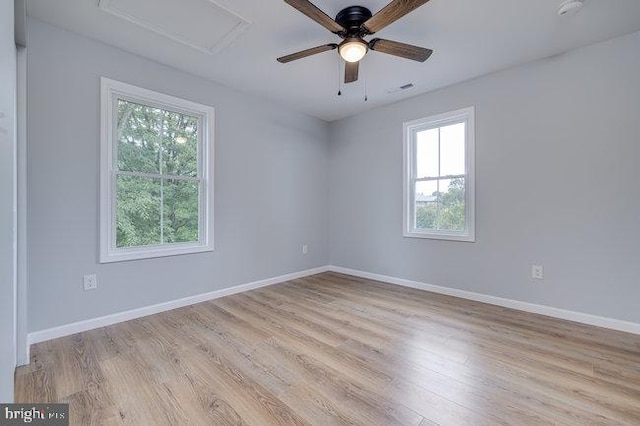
point(201, 24)
point(401, 88)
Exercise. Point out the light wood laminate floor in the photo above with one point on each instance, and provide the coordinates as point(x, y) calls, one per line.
point(335, 349)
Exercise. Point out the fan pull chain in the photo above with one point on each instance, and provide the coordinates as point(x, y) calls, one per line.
point(366, 98)
point(339, 80)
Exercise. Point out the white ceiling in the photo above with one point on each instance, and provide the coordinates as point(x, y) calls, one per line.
point(469, 38)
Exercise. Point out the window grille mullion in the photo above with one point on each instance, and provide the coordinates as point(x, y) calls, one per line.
point(432, 178)
point(158, 176)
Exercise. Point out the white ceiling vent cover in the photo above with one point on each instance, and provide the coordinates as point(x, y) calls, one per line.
point(200, 24)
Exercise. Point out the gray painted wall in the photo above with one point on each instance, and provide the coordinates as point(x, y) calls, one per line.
point(557, 146)
point(270, 186)
point(557, 151)
point(7, 203)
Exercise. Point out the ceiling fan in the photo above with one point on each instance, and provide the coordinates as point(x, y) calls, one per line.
point(354, 23)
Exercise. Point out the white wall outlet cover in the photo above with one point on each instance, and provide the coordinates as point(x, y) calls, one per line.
point(90, 282)
point(537, 272)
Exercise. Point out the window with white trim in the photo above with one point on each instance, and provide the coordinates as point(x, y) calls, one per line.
point(439, 177)
point(156, 180)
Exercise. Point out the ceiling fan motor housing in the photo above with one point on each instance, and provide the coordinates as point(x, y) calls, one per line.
point(351, 18)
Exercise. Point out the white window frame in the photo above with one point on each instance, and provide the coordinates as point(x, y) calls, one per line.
point(110, 91)
point(466, 115)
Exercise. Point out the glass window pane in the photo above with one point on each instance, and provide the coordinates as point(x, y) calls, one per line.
point(138, 135)
point(451, 205)
point(180, 145)
point(426, 208)
point(427, 153)
point(181, 207)
point(137, 211)
point(452, 147)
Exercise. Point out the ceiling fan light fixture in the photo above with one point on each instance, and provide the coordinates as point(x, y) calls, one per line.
point(352, 49)
point(570, 7)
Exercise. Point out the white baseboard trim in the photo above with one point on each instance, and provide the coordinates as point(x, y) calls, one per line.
point(90, 324)
point(610, 323)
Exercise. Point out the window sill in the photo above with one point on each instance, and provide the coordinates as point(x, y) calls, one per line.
point(467, 238)
point(124, 255)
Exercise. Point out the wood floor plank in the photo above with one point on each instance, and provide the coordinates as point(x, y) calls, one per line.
point(139, 397)
point(307, 344)
point(79, 365)
point(93, 406)
point(37, 385)
point(251, 399)
point(277, 381)
point(369, 405)
point(333, 349)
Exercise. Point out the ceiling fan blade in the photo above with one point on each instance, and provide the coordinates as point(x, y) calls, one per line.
point(308, 52)
point(351, 71)
point(391, 13)
point(415, 53)
point(312, 11)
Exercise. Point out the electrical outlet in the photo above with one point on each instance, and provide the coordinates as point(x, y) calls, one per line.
point(537, 272)
point(305, 249)
point(90, 282)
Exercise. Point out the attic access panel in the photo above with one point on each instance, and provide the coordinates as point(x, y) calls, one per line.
point(201, 24)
